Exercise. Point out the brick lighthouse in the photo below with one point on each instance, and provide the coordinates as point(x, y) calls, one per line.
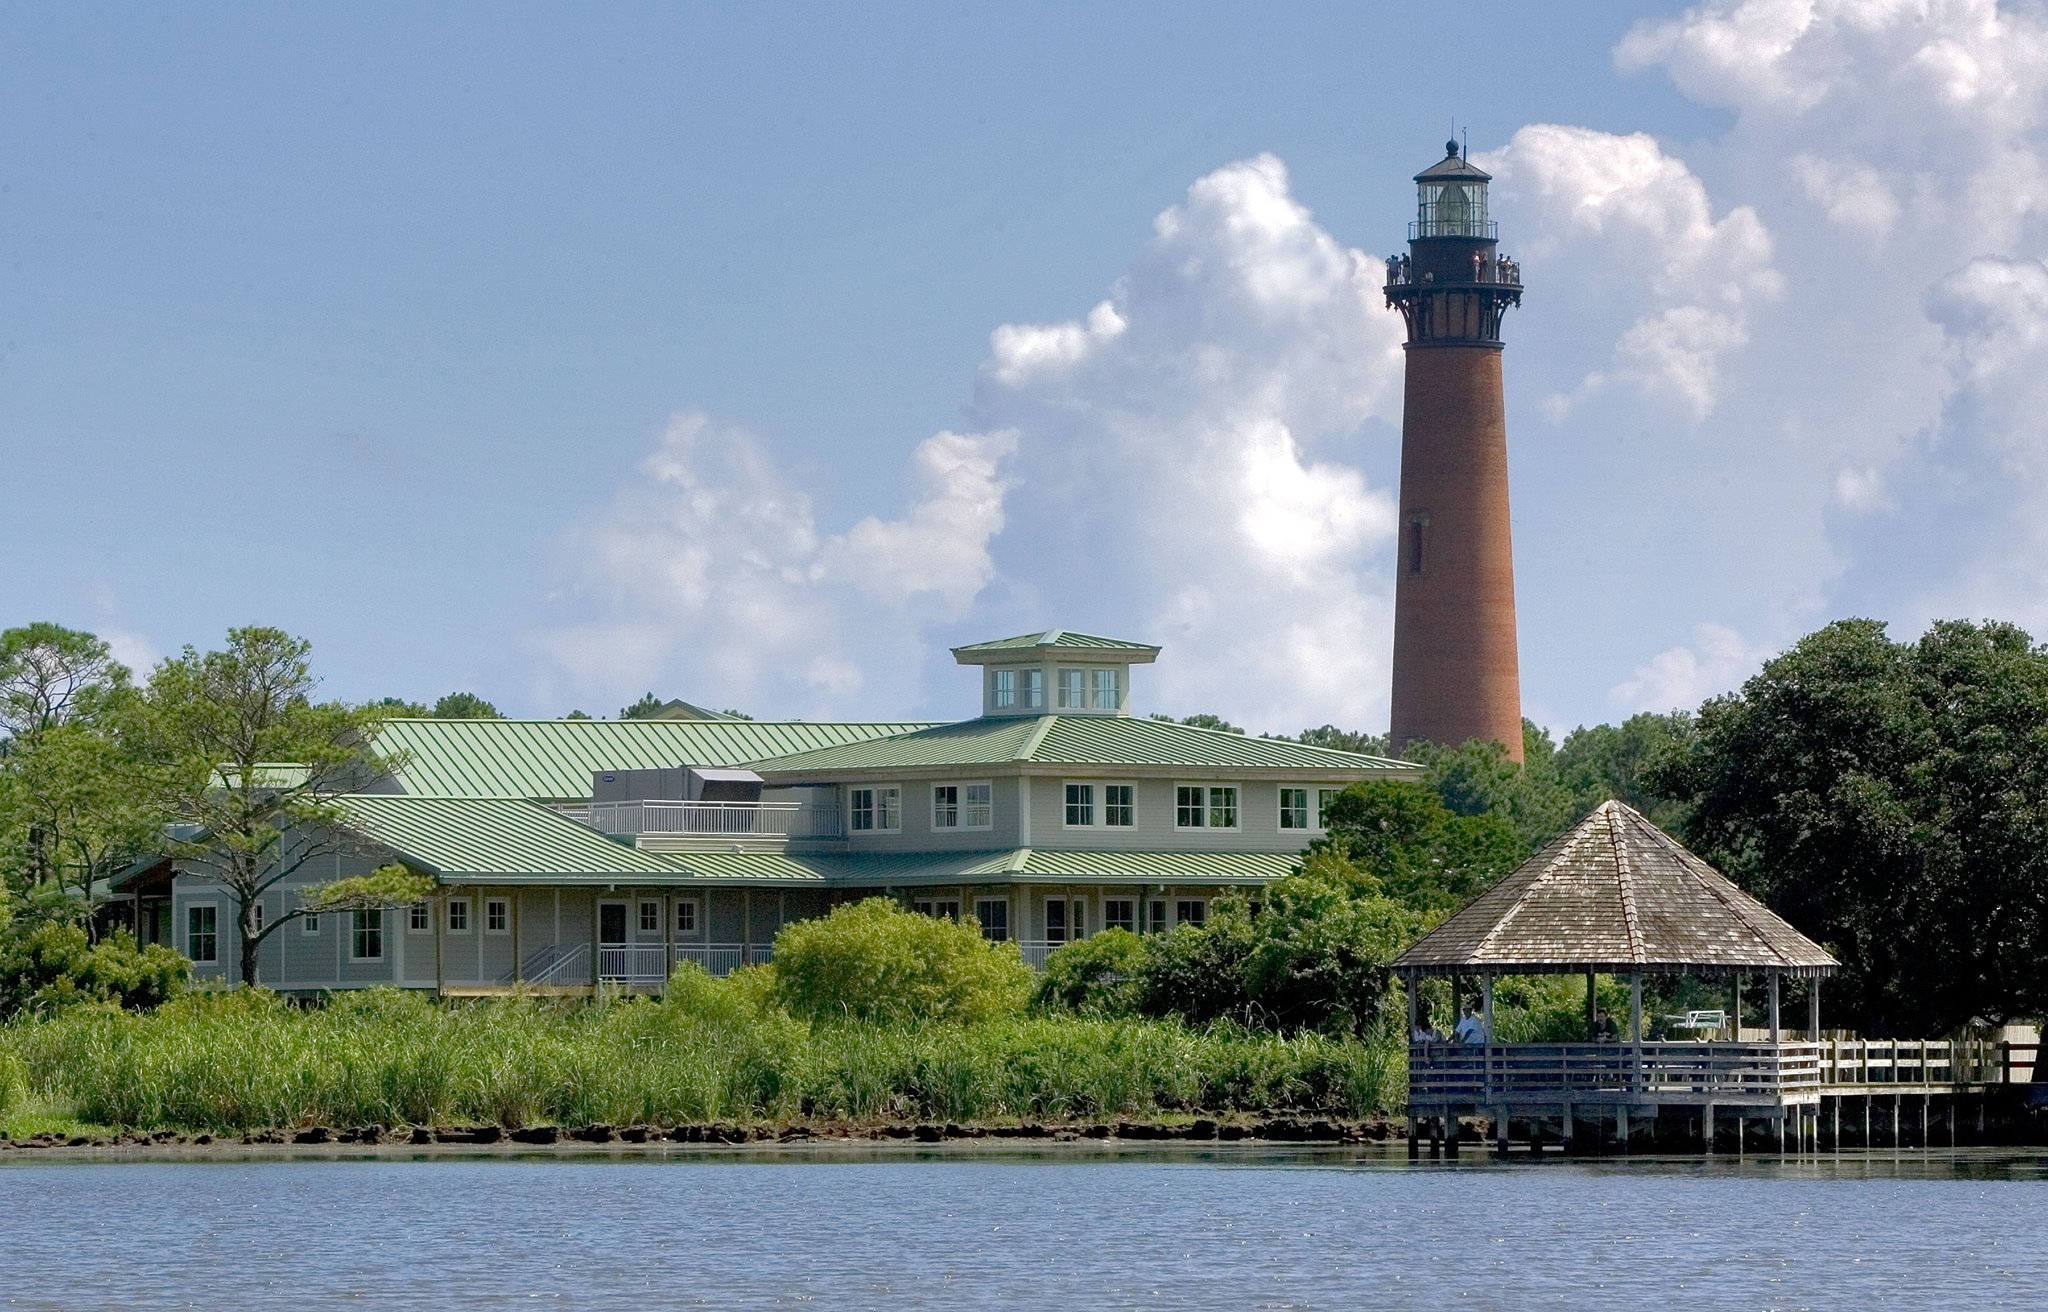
point(1456, 676)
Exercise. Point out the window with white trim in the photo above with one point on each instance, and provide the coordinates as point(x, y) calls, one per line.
point(1205, 806)
point(309, 925)
point(1108, 693)
point(963, 806)
point(1294, 808)
point(256, 915)
point(458, 915)
point(1325, 796)
point(1033, 696)
point(1120, 913)
point(1080, 805)
point(202, 933)
point(994, 915)
point(686, 915)
point(366, 935)
point(938, 908)
point(1120, 805)
point(1055, 920)
point(419, 918)
point(650, 918)
point(1191, 911)
point(1002, 689)
point(1073, 690)
point(875, 810)
point(1156, 913)
point(498, 916)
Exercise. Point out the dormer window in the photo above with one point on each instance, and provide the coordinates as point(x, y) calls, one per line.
point(1004, 697)
point(1108, 695)
point(1034, 689)
point(1073, 690)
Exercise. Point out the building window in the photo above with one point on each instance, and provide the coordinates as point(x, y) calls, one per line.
point(686, 916)
point(1325, 796)
point(309, 924)
point(1198, 806)
point(963, 806)
point(1073, 690)
point(1034, 689)
point(458, 915)
point(876, 810)
point(994, 915)
point(1191, 911)
point(1119, 805)
point(938, 908)
point(202, 934)
point(366, 936)
point(1156, 913)
point(1294, 808)
point(256, 915)
point(498, 916)
point(1080, 804)
point(1120, 913)
point(1108, 696)
point(419, 918)
point(1003, 689)
point(650, 917)
point(1055, 920)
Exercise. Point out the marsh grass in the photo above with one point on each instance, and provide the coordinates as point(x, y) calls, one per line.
point(709, 1050)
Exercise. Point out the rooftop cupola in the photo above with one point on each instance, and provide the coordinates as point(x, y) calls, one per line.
point(1056, 672)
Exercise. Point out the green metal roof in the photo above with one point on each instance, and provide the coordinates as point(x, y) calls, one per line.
point(1058, 638)
point(1110, 741)
point(1007, 866)
point(555, 758)
point(499, 838)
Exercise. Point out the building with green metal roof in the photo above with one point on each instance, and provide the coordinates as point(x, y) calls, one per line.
point(566, 853)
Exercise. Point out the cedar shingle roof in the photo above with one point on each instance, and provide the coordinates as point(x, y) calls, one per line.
point(1615, 894)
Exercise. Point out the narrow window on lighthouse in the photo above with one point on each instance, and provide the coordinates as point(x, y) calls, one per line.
point(1415, 546)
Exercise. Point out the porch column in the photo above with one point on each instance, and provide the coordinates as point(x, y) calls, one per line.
point(518, 948)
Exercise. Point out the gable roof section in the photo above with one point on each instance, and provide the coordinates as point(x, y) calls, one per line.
point(1080, 740)
point(555, 758)
point(1615, 894)
point(498, 838)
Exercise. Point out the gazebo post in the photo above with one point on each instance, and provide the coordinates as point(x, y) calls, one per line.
point(1408, 981)
point(1591, 1033)
point(1771, 984)
point(1735, 1016)
point(1635, 1031)
point(1813, 1009)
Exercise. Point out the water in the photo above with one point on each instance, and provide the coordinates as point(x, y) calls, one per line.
point(1056, 1230)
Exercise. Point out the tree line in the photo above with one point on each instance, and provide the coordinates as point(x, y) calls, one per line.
point(1890, 798)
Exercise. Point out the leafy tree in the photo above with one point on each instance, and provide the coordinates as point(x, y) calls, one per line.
point(576, 715)
point(83, 791)
point(647, 708)
point(1609, 761)
point(871, 960)
point(1346, 740)
point(1479, 778)
point(248, 757)
point(464, 706)
point(1201, 721)
point(52, 675)
point(1095, 976)
point(1420, 852)
point(1891, 800)
point(397, 708)
point(48, 965)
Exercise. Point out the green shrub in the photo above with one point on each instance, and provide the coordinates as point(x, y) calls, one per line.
point(48, 966)
point(873, 961)
point(1096, 976)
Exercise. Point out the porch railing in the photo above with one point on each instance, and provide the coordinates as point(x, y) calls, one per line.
point(632, 963)
point(555, 966)
point(716, 819)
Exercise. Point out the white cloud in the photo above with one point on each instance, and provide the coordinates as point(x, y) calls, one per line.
point(1681, 677)
point(1621, 209)
point(1176, 464)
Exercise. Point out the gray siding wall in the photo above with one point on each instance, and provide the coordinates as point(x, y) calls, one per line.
point(918, 834)
point(1258, 817)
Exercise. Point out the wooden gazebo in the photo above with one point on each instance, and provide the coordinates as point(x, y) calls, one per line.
point(1614, 896)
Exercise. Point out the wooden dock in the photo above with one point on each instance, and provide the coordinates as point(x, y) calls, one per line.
point(1801, 1090)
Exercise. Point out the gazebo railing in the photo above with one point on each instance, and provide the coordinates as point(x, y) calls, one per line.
point(1477, 1075)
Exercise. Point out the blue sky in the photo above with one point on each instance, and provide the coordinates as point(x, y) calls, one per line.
point(757, 354)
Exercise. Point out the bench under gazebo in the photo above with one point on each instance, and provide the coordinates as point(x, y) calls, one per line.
point(1614, 896)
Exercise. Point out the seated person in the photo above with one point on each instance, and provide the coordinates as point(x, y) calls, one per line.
point(1604, 1028)
point(1423, 1031)
point(1472, 1029)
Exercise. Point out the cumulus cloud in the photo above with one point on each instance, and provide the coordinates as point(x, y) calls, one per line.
point(1680, 678)
point(1177, 463)
point(1622, 206)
